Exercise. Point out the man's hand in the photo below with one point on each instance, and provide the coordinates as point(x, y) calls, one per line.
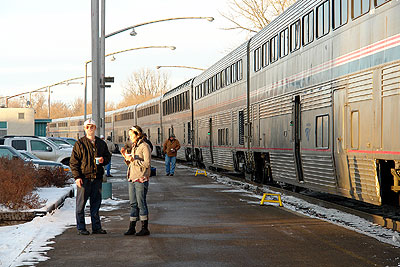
point(79, 182)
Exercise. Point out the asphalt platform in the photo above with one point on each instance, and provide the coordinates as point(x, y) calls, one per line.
point(196, 222)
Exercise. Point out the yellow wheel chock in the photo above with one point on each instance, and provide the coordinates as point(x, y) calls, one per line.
point(271, 200)
point(203, 171)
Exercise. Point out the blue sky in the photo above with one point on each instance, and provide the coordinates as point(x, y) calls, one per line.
point(47, 41)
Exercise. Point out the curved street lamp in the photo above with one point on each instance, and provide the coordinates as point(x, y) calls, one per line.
point(187, 67)
point(98, 109)
point(112, 54)
point(46, 88)
point(133, 32)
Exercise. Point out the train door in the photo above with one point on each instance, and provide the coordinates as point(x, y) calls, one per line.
point(210, 137)
point(339, 137)
point(296, 124)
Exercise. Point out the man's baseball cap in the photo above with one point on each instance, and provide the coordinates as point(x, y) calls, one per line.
point(89, 122)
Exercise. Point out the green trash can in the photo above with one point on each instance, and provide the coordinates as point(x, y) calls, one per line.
point(106, 192)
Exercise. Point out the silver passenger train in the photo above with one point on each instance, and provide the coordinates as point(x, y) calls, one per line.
point(312, 101)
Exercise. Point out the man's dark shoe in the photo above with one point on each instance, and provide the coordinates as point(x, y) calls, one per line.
point(109, 175)
point(167, 174)
point(171, 174)
point(99, 231)
point(83, 232)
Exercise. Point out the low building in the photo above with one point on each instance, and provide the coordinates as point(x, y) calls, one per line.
point(17, 121)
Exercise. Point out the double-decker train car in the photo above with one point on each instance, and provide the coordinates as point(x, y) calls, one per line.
point(177, 117)
point(311, 101)
point(324, 95)
point(149, 118)
point(218, 107)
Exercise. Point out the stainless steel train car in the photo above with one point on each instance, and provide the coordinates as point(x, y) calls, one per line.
point(312, 101)
point(149, 118)
point(177, 117)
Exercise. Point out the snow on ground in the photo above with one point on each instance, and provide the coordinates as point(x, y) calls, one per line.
point(337, 217)
point(28, 243)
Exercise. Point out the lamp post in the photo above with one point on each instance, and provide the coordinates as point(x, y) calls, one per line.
point(112, 54)
point(133, 32)
point(187, 67)
point(45, 89)
point(98, 111)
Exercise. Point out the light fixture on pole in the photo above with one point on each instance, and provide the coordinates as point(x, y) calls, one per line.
point(100, 68)
point(133, 32)
point(112, 59)
point(187, 67)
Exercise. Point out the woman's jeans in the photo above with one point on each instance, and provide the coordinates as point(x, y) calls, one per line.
point(170, 161)
point(137, 199)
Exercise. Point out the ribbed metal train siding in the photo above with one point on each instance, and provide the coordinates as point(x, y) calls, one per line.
point(360, 87)
point(283, 166)
point(223, 158)
point(318, 166)
point(363, 178)
point(319, 170)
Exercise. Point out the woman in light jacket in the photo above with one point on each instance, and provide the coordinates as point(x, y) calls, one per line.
point(138, 162)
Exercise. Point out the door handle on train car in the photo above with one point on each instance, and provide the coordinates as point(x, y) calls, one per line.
point(339, 140)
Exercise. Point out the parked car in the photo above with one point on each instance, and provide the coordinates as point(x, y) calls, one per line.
point(42, 148)
point(60, 142)
point(70, 140)
point(10, 152)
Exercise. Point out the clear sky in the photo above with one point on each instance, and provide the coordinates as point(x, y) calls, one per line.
point(47, 41)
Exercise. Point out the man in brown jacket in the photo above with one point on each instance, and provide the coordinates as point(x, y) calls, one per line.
point(170, 148)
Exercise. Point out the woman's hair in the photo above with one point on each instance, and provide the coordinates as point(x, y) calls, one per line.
point(137, 130)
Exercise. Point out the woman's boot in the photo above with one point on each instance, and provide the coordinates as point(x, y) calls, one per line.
point(145, 229)
point(131, 230)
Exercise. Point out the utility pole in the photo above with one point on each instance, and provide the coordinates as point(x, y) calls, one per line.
point(95, 63)
point(102, 88)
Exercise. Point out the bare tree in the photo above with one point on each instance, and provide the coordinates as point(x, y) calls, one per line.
point(143, 85)
point(253, 15)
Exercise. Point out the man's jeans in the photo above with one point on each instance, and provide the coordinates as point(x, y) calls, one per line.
point(170, 161)
point(108, 168)
point(137, 199)
point(90, 189)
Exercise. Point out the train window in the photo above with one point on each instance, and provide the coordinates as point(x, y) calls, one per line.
point(201, 90)
point(264, 52)
point(380, 2)
point(323, 19)
point(257, 63)
point(223, 78)
point(359, 7)
point(339, 13)
point(322, 131)
point(295, 36)
point(226, 136)
point(189, 133)
point(355, 125)
point(240, 70)
point(273, 49)
point(196, 92)
point(308, 28)
point(218, 80)
point(241, 127)
point(228, 76)
point(284, 42)
point(234, 73)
